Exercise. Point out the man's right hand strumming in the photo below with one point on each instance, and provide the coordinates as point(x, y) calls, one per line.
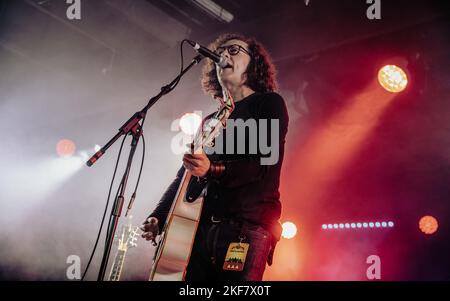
point(150, 228)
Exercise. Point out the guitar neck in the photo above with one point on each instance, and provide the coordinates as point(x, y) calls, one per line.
point(117, 266)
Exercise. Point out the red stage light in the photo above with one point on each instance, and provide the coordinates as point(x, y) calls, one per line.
point(428, 224)
point(65, 148)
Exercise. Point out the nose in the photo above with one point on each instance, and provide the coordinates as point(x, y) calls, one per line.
point(226, 54)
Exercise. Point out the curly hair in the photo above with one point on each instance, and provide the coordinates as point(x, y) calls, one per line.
point(261, 72)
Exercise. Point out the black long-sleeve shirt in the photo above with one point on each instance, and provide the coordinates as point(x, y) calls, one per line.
point(248, 190)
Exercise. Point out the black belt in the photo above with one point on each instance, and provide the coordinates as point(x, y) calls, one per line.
point(231, 221)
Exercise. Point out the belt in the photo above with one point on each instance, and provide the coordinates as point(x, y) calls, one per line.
point(232, 221)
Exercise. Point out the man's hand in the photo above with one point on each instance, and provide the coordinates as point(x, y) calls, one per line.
point(150, 228)
point(197, 164)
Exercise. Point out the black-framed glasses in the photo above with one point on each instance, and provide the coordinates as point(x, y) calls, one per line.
point(232, 49)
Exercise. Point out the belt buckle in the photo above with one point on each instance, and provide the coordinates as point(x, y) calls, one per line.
point(214, 220)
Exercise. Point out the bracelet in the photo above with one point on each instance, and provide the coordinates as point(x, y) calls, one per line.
point(216, 170)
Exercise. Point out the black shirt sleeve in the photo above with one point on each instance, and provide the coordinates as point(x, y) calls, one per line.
point(249, 169)
point(162, 209)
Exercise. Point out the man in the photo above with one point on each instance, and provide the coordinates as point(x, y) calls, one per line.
point(242, 203)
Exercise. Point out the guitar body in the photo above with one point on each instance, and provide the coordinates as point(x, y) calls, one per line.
point(177, 238)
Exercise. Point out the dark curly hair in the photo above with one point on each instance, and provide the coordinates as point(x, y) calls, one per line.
point(261, 72)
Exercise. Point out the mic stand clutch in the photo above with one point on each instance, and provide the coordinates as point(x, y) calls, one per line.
point(133, 128)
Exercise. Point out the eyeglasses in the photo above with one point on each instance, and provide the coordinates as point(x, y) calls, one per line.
point(232, 49)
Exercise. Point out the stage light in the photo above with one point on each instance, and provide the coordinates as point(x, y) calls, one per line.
point(214, 10)
point(189, 123)
point(428, 224)
point(354, 225)
point(65, 148)
point(392, 78)
point(83, 155)
point(289, 230)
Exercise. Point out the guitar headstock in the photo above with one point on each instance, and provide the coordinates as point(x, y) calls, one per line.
point(128, 236)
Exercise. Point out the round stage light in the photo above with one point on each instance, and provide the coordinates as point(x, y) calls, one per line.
point(289, 230)
point(65, 148)
point(189, 123)
point(392, 78)
point(428, 224)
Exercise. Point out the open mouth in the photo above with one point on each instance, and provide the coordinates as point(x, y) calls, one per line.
point(229, 66)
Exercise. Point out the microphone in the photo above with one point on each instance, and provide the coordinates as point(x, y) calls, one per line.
point(219, 60)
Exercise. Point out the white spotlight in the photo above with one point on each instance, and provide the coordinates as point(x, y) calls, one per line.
point(189, 123)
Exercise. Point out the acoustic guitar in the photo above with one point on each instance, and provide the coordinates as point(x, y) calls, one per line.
point(177, 236)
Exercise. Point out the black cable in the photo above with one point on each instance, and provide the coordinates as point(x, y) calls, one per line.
point(110, 217)
point(181, 54)
point(169, 89)
point(178, 78)
point(142, 165)
point(181, 67)
point(142, 162)
point(106, 209)
point(143, 119)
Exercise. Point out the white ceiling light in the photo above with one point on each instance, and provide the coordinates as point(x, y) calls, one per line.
point(214, 10)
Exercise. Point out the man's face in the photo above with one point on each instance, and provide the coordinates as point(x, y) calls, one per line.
point(234, 75)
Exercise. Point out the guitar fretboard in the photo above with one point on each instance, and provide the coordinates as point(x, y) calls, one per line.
point(117, 266)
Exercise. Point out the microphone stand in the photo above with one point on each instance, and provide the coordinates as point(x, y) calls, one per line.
point(133, 128)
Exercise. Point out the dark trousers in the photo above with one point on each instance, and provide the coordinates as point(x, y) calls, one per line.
point(211, 245)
